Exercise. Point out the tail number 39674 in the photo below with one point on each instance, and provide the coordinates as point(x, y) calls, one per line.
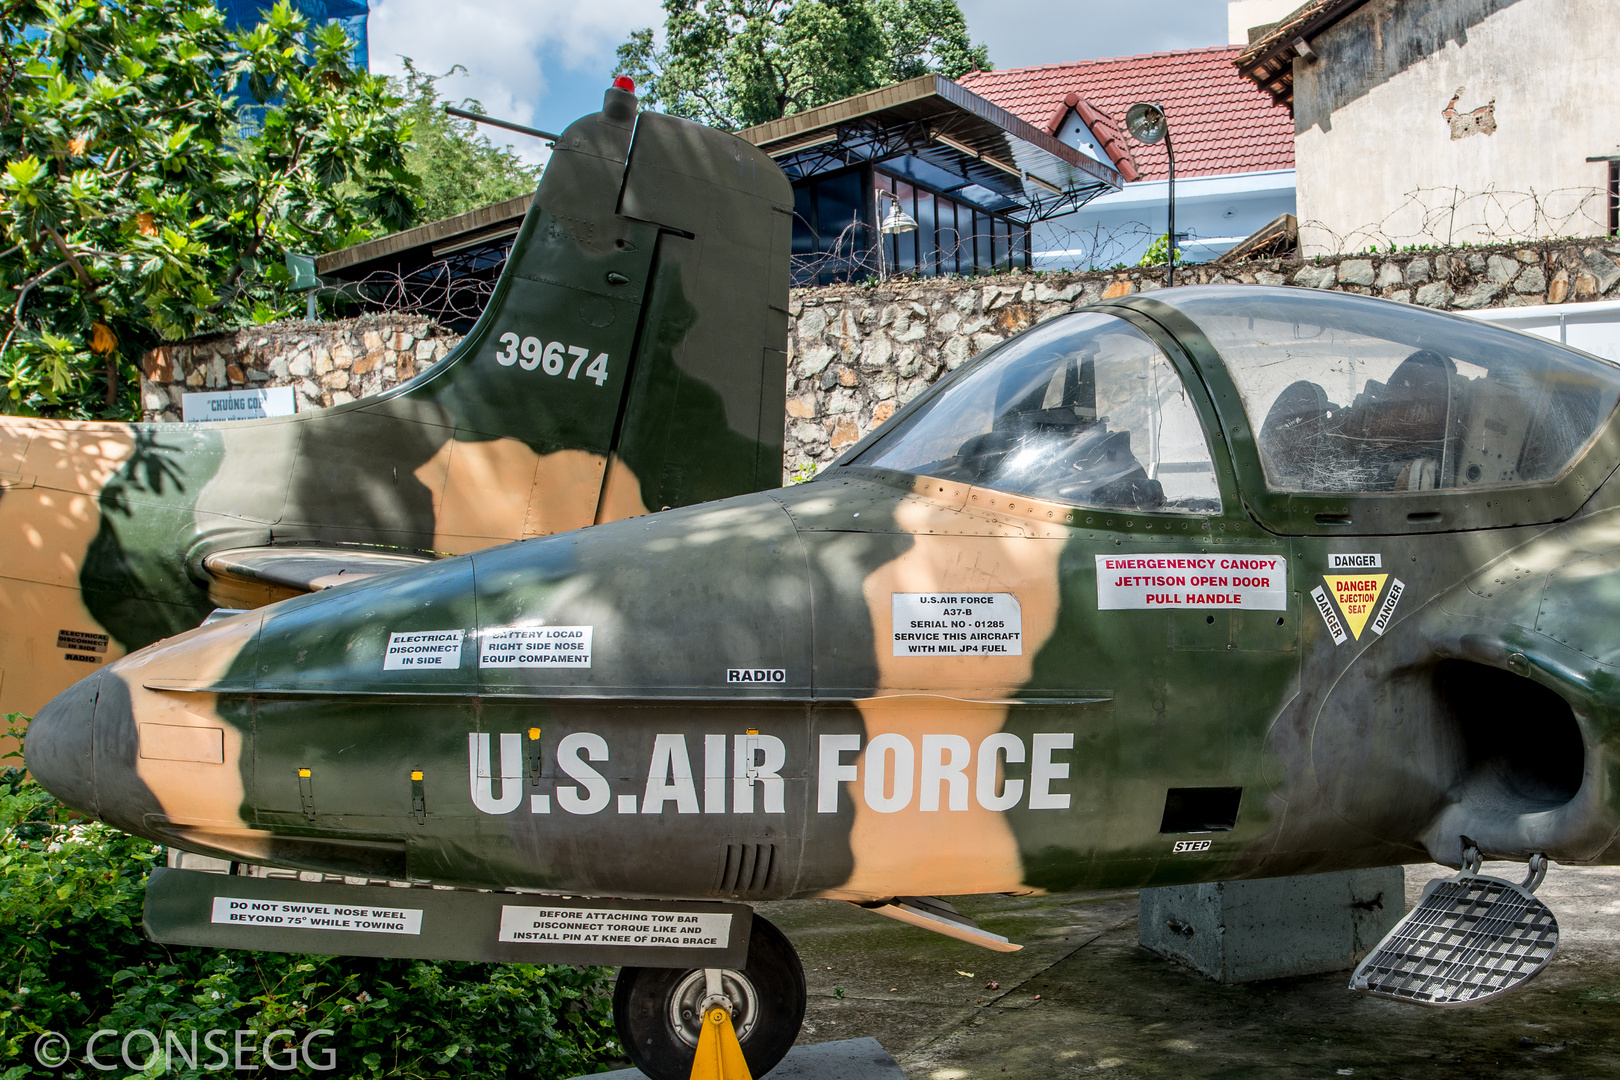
point(530, 353)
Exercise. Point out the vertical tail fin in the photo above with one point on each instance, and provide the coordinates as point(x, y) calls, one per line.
point(631, 357)
point(641, 317)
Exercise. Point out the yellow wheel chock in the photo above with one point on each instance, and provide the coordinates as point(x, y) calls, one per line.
point(719, 1055)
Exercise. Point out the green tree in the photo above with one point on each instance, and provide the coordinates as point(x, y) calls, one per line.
point(459, 167)
point(735, 63)
point(140, 200)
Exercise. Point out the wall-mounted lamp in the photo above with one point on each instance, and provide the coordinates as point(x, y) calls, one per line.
point(896, 222)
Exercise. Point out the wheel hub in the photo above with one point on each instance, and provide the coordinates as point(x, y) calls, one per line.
point(691, 999)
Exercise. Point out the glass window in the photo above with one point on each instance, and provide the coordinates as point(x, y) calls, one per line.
point(1352, 395)
point(1083, 409)
point(927, 242)
point(999, 232)
point(906, 243)
point(804, 221)
point(947, 235)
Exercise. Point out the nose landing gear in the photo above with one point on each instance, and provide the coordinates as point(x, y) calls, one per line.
point(663, 1015)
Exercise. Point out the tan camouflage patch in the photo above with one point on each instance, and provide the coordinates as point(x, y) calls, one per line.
point(50, 476)
point(189, 757)
point(916, 852)
point(621, 493)
point(476, 505)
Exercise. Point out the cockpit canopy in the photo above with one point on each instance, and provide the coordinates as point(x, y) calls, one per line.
point(1352, 396)
point(1344, 395)
point(1084, 409)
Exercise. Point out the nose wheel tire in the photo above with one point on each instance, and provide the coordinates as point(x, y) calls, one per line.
point(659, 1011)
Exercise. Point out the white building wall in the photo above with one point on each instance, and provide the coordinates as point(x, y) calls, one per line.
point(1381, 163)
point(1212, 214)
point(1242, 14)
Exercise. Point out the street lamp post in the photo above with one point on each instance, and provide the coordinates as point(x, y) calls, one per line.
point(1148, 124)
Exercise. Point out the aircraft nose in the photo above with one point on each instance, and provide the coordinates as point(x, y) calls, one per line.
point(57, 745)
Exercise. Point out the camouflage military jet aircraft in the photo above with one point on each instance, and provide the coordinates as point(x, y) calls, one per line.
point(1205, 584)
point(631, 358)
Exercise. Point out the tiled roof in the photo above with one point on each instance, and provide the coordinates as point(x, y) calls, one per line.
point(1220, 121)
point(1269, 59)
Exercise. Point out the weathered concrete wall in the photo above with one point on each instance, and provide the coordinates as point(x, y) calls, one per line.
point(325, 363)
point(1384, 155)
point(857, 353)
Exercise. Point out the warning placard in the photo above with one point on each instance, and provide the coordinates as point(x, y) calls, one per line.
point(535, 646)
point(1355, 594)
point(1148, 582)
point(604, 926)
point(359, 918)
point(423, 649)
point(957, 624)
point(1386, 611)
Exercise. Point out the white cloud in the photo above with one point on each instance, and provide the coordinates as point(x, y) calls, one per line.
point(536, 62)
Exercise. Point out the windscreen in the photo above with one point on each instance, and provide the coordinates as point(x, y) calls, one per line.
point(1084, 409)
point(1352, 395)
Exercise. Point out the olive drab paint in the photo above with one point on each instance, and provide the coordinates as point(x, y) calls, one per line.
point(631, 358)
point(753, 723)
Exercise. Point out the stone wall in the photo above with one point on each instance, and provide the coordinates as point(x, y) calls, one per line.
point(856, 353)
point(326, 363)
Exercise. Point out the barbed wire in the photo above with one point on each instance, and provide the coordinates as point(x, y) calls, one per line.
point(1447, 217)
point(457, 288)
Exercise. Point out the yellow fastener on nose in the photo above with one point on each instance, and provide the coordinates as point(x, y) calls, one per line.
point(416, 774)
point(719, 1055)
point(303, 773)
point(534, 733)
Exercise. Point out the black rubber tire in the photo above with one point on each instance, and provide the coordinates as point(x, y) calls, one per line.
point(641, 1009)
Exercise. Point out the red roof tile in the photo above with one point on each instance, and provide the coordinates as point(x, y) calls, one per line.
point(1220, 121)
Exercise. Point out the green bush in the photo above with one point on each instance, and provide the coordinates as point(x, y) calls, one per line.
point(73, 960)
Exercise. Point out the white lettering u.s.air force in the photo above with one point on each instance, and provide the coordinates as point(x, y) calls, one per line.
point(551, 357)
point(742, 774)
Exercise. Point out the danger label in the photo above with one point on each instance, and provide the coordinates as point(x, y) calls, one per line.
point(957, 624)
point(423, 649)
point(1355, 594)
point(1370, 561)
point(1324, 607)
point(1386, 610)
point(536, 646)
point(1146, 582)
point(605, 926)
point(358, 918)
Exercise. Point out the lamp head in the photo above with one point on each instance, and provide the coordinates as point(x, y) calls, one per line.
point(897, 221)
point(1146, 122)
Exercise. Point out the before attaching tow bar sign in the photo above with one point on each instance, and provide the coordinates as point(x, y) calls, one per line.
point(222, 911)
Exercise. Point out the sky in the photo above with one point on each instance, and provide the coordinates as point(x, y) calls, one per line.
point(546, 62)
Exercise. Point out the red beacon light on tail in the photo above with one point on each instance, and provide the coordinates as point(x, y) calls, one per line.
point(625, 82)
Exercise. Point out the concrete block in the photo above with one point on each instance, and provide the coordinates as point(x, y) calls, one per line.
point(1272, 928)
point(848, 1059)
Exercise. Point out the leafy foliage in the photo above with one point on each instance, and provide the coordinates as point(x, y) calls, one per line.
point(735, 63)
point(140, 201)
point(1158, 253)
point(73, 960)
point(460, 168)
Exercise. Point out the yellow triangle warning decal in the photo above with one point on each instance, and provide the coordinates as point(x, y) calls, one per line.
point(1356, 595)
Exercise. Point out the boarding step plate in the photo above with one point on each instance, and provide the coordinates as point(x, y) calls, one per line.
point(229, 911)
point(1470, 938)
